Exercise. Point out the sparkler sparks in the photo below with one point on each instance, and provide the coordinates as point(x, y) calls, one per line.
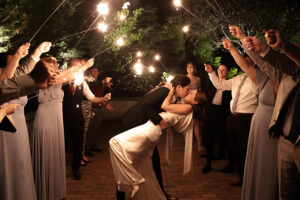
point(120, 42)
point(151, 69)
point(177, 3)
point(103, 9)
point(79, 78)
point(102, 27)
point(186, 29)
point(122, 17)
point(139, 54)
point(125, 5)
point(157, 57)
point(138, 67)
point(170, 78)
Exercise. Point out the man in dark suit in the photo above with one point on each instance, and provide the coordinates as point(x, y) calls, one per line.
point(148, 108)
point(217, 113)
point(72, 113)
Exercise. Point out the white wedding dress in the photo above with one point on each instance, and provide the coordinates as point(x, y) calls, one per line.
point(131, 156)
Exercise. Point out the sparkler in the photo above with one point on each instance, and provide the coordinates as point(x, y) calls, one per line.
point(122, 17)
point(120, 42)
point(151, 69)
point(138, 67)
point(125, 5)
point(79, 78)
point(177, 4)
point(56, 9)
point(158, 58)
point(103, 9)
point(139, 54)
point(102, 26)
point(170, 78)
point(186, 28)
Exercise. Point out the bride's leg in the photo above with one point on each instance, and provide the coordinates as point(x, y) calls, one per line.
point(124, 172)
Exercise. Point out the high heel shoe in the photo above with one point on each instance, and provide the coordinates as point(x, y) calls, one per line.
point(82, 163)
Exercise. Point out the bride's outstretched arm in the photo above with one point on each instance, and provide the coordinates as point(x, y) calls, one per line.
point(182, 109)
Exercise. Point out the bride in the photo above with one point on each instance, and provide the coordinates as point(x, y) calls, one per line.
point(131, 150)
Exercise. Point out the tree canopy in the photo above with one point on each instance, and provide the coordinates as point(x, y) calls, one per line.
point(153, 27)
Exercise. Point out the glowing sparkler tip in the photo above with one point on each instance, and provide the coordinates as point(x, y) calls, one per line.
point(138, 67)
point(122, 17)
point(177, 3)
point(157, 57)
point(139, 54)
point(170, 78)
point(125, 5)
point(186, 28)
point(120, 42)
point(79, 78)
point(102, 27)
point(103, 8)
point(151, 69)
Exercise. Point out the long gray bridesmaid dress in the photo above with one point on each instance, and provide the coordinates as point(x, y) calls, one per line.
point(48, 153)
point(16, 177)
point(260, 174)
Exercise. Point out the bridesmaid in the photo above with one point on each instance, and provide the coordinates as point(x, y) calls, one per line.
point(48, 155)
point(260, 174)
point(195, 85)
point(16, 177)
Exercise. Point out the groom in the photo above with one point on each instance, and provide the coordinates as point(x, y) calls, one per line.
point(148, 108)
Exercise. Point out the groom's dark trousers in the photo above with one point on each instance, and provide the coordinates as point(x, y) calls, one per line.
point(148, 108)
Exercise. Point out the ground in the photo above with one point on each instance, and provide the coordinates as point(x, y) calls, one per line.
point(97, 181)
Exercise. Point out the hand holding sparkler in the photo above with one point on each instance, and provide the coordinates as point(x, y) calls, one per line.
point(236, 32)
point(22, 51)
point(42, 48)
point(227, 44)
point(254, 44)
point(208, 68)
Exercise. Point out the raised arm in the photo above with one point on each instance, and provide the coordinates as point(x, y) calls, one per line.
point(28, 65)
point(10, 69)
point(68, 75)
point(276, 40)
point(182, 109)
point(277, 60)
point(243, 63)
point(218, 83)
point(91, 97)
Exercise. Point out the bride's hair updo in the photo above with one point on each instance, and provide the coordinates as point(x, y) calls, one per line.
point(198, 109)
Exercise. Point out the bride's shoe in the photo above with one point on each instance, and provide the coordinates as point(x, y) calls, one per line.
point(135, 188)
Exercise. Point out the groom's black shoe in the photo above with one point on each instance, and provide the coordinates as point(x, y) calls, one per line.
point(76, 174)
point(206, 169)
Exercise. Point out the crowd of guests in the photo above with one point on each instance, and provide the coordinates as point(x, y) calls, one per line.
point(254, 117)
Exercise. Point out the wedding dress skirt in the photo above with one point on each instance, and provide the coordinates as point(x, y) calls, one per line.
point(131, 153)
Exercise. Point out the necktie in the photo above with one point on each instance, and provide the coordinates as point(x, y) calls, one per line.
point(234, 104)
point(295, 127)
point(72, 88)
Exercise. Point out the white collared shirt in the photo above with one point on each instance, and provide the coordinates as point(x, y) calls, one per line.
point(247, 101)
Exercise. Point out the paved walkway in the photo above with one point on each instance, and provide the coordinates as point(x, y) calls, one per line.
point(98, 181)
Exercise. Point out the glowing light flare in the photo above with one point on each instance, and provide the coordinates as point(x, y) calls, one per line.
point(122, 17)
point(125, 5)
point(157, 57)
point(103, 9)
point(186, 28)
point(139, 54)
point(170, 78)
point(177, 3)
point(151, 69)
point(79, 78)
point(120, 42)
point(138, 67)
point(102, 26)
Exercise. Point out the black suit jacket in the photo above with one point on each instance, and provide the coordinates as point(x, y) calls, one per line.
point(226, 98)
point(147, 108)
